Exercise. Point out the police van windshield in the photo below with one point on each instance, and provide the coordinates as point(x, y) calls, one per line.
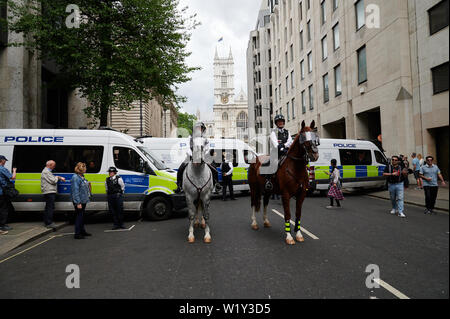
point(152, 158)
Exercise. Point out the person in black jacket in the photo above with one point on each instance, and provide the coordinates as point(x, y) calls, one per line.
point(227, 177)
point(115, 187)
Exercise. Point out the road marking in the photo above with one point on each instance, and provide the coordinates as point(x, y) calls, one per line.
point(21, 252)
point(293, 224)
point(119, 230)
point(391, 289)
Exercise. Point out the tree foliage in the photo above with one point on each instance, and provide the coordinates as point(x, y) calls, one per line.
point(122, 51)
point(186, 121)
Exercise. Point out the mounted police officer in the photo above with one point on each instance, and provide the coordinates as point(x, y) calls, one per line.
point(280, 141)
point(198, 131)
point(115, 187)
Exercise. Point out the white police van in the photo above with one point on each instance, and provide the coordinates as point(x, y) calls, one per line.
point(172, 151)
point(361, 164)
point(149, 184)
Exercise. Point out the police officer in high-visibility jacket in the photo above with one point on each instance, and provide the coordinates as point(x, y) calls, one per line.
point(115, 187)
point(280, 140)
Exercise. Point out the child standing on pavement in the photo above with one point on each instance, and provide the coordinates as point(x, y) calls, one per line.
point(335, 192)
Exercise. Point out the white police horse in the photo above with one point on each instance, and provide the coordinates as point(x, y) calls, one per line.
point(198, 185)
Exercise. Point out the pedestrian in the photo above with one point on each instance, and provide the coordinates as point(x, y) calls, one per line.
point(80, 192)
point(5, 202)
point(430, 173)
point(416, 170)
point(49, 185)
point(421, 160)
point(335, 192)
point(227, 177)
point(406, 166)
point(396, 176)
point(115, 188)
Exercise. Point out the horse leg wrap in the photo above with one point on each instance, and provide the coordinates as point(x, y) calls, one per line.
point(297, 225)
point(287, 227)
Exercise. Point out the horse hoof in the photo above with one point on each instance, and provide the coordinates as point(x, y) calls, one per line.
point(207, 240)
point(290, 242)
point(300, 239)
point(191, 240)
point(203, 226)
point(267, 225)
point(255, 227)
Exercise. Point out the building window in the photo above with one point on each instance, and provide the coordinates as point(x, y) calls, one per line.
point(300, 12)
point(323, 12)
point(286, 59)
point(337, 80)
point(224, 117)
point(303, 102)
point(326, 91)
point(293, 108)
point(292, 53)
point(287, 84)
point(360, 14)
point(301, 40)
point(438, 16)
point(302, 69)
point(290, 27)
point(324, 48)
point(308, 4)
point(292, 80)
point(440, 78)
point(310, 64)
point(335, 4)
point(288, 112)
point(311, 97)
point(224, 79)
point(362, 65)
point(279, 92)
point(308, 29)
point(336, 39)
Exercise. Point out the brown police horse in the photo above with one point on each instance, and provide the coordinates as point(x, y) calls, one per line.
point(291, 179)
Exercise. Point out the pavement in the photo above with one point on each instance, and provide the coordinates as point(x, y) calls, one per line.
point(417, 197)
point(24, 232)
point(154, 260)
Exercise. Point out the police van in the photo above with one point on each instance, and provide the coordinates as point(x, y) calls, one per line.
point(149, 184)
point(361, 164)
point(172, 152)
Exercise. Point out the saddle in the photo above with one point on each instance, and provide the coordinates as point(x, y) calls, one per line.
point(265, 160)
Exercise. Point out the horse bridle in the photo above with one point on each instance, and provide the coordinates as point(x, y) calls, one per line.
point(310, 136)
point(199, 189)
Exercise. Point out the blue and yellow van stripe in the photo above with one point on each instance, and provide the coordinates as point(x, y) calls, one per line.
point(351, 172)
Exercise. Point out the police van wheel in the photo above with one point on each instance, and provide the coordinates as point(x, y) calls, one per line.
point(158, 208)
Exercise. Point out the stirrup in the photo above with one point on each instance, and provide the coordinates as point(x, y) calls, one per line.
point(217, 187)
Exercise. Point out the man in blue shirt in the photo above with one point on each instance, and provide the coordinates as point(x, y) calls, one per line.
point(5, 203)
point(430, 173)
point(416, 170)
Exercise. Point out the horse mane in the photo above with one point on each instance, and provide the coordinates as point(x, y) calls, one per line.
point(296, 139)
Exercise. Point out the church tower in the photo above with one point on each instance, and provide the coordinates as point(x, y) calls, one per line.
point(223, 79)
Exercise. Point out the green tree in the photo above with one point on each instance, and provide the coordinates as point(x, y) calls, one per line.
point(114, 52)
point(186, 121)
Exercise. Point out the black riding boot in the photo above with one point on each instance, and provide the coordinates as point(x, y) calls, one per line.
point(180, 177)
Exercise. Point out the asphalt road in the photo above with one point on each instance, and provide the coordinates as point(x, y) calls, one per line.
point(154, 260)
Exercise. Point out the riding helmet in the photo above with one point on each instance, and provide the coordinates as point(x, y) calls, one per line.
point(112, 169)
point(279, 117)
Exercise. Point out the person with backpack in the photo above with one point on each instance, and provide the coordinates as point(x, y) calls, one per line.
point(6, 179)
point(396, 184)
point(115, 188)
point(335, 192)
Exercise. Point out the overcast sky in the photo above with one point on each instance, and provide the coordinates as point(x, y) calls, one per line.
point(231, 19)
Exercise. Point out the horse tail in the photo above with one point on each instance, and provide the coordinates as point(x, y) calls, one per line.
point(255, 191)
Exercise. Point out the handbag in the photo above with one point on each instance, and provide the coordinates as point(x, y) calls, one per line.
point(9, 190)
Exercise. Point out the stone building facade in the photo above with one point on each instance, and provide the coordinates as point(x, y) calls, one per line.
point(230, 112)
point(360, 69)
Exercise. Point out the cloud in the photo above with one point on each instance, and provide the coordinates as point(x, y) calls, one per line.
point(231, 19)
